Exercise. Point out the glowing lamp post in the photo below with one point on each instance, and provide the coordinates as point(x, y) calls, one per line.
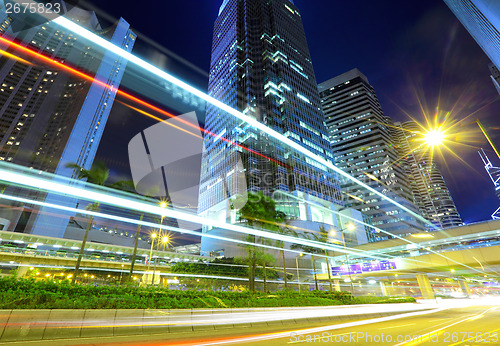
point(434, 138)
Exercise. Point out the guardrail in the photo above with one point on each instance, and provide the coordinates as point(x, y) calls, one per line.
point(32, 325)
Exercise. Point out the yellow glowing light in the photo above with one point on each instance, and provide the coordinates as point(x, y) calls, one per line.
point(70, 276)
point(423, 235)
point(165, 239)
point(350, 227)
point(163, 204)
point(453, 270)
point(153, 235)
point(434, 138)
point(15, 57)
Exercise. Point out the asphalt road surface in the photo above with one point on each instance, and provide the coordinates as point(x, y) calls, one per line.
point(464, 325)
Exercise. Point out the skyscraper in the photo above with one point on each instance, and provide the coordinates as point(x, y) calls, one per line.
point(49, 117)
point(481, 18)
point(363, 146)
point(261, 66)
point(429, 189)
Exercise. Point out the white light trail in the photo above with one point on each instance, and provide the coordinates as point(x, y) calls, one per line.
point(173, 229)
point(98, 40)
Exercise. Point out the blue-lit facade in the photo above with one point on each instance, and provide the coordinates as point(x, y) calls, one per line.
point(62, 117)
point(481, 18)
point(261, 66)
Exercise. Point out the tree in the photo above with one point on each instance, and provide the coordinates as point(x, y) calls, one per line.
point(260, 212)
point(98, 174)
point(284, 229)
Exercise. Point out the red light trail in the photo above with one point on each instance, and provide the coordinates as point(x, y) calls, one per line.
point(60, 65)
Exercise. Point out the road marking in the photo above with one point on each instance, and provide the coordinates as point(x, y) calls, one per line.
point(287, 334)
point(403, 325)
point(467, 340)
point(301, 341)
point(439, 319)
point(440, 330)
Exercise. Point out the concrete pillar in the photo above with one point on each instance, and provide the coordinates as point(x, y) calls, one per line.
point(21, 271)
point(425, 286)
point(336, 285)
point(465, 287)
point(384, 287)
point(308, 207)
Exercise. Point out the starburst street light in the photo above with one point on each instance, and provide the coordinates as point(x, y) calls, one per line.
point(434, 137)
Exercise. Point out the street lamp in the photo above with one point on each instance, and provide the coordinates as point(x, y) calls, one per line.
point(153, 237)
point(162, 204)
point(297, 266)
point(434, 137)
point(165, 240)
point(350, 227)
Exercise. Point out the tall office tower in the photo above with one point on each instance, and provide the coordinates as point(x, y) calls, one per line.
point(429, 189)
point(48, 116)
point(363, 147)
point(481, 18)
point(261, 66)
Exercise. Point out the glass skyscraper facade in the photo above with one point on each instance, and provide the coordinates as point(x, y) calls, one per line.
point(50, 117)
point(363, 146)
point(261, 66)
point(481, 18)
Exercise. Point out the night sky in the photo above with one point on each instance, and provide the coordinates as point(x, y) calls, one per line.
point(409, 50)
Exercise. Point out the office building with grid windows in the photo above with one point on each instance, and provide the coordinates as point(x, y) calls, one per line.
point(363, 146)
point(50, 117)
point(261, 66)
point(430, 192)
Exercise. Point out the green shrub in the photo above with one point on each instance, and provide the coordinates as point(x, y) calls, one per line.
point(44, 294)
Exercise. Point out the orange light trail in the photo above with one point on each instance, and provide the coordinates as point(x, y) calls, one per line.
point(85, 76)
point(15, 57)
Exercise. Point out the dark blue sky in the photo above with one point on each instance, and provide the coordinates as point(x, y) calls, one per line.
point(405, 48)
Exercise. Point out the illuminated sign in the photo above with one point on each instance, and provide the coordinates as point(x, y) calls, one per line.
point(366, 267)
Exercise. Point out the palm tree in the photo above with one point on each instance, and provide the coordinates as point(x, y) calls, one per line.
point(98, 174)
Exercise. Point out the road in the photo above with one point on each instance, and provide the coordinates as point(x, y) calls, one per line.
point(443, 326)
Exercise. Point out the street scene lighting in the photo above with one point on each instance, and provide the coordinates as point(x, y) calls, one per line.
point(434, 137)
point(169, 180)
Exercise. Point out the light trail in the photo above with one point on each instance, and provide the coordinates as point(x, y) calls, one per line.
point(440, 330)
point(35, 181)
point(208, 235)
point(77, 29)
point(141, 63)
point(483, 130)
point(383, 231)
point(15, 57)
point(64, 67)
point(241, 229)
